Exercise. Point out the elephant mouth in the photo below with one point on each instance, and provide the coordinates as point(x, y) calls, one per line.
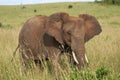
point(66, 48)
point(75, 58)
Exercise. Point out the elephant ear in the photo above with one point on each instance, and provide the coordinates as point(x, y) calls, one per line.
point(54, 25)
point(92, 26)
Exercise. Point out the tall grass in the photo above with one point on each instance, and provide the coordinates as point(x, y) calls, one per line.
point(103, 51)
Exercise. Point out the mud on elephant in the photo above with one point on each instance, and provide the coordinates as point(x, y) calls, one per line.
point(43, 37)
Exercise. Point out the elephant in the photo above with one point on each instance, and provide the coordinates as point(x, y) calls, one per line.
point(45, 37)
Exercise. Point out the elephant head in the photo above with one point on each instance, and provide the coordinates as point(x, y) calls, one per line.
point(71, 31)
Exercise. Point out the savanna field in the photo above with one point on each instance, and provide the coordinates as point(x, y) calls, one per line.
point(103, 51)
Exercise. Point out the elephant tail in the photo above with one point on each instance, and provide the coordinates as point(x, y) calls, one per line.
point(14, 53)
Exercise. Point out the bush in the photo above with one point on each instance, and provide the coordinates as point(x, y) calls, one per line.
point(35, 10)
point(70, 6)
point(23, 7)
point(114, 2)
point(81, 75)
point(118, 77)
point(7, 26)
point(101, 73)
point(0, 24)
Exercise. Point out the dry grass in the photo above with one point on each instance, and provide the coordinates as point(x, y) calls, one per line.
point(103, 50)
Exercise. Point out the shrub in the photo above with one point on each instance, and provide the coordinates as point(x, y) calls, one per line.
point(114, 2)
point(118, 77)
point(23, 7)
point(81, 75)
point(101, 73)
point(35, 10)
point(70, 6)
point(0, 24)
point(7, 26)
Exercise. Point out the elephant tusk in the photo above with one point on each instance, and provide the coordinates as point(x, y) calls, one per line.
point(62, 46)
point(86, 58)
point(74, 57)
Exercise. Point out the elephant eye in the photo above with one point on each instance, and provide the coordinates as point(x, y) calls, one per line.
point(57, 20)
point(69, 33)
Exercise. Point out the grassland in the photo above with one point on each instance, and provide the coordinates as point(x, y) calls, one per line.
point(103, 51)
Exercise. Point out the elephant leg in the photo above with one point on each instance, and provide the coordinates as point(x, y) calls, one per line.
point(23, 60)
point(54, 56)
point(27, 59)
point(71, 60)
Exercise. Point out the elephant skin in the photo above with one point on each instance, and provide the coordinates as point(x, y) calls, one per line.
point(41, 36)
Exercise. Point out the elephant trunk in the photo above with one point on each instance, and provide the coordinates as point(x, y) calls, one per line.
point(78, 52)
point(80, 56)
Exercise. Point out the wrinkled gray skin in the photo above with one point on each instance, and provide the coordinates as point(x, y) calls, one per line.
point(41, 36)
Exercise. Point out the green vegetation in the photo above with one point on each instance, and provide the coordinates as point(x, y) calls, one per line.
point(114, 2)
point(103, 51)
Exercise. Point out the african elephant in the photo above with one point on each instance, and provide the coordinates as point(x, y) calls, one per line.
point(42, 37)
